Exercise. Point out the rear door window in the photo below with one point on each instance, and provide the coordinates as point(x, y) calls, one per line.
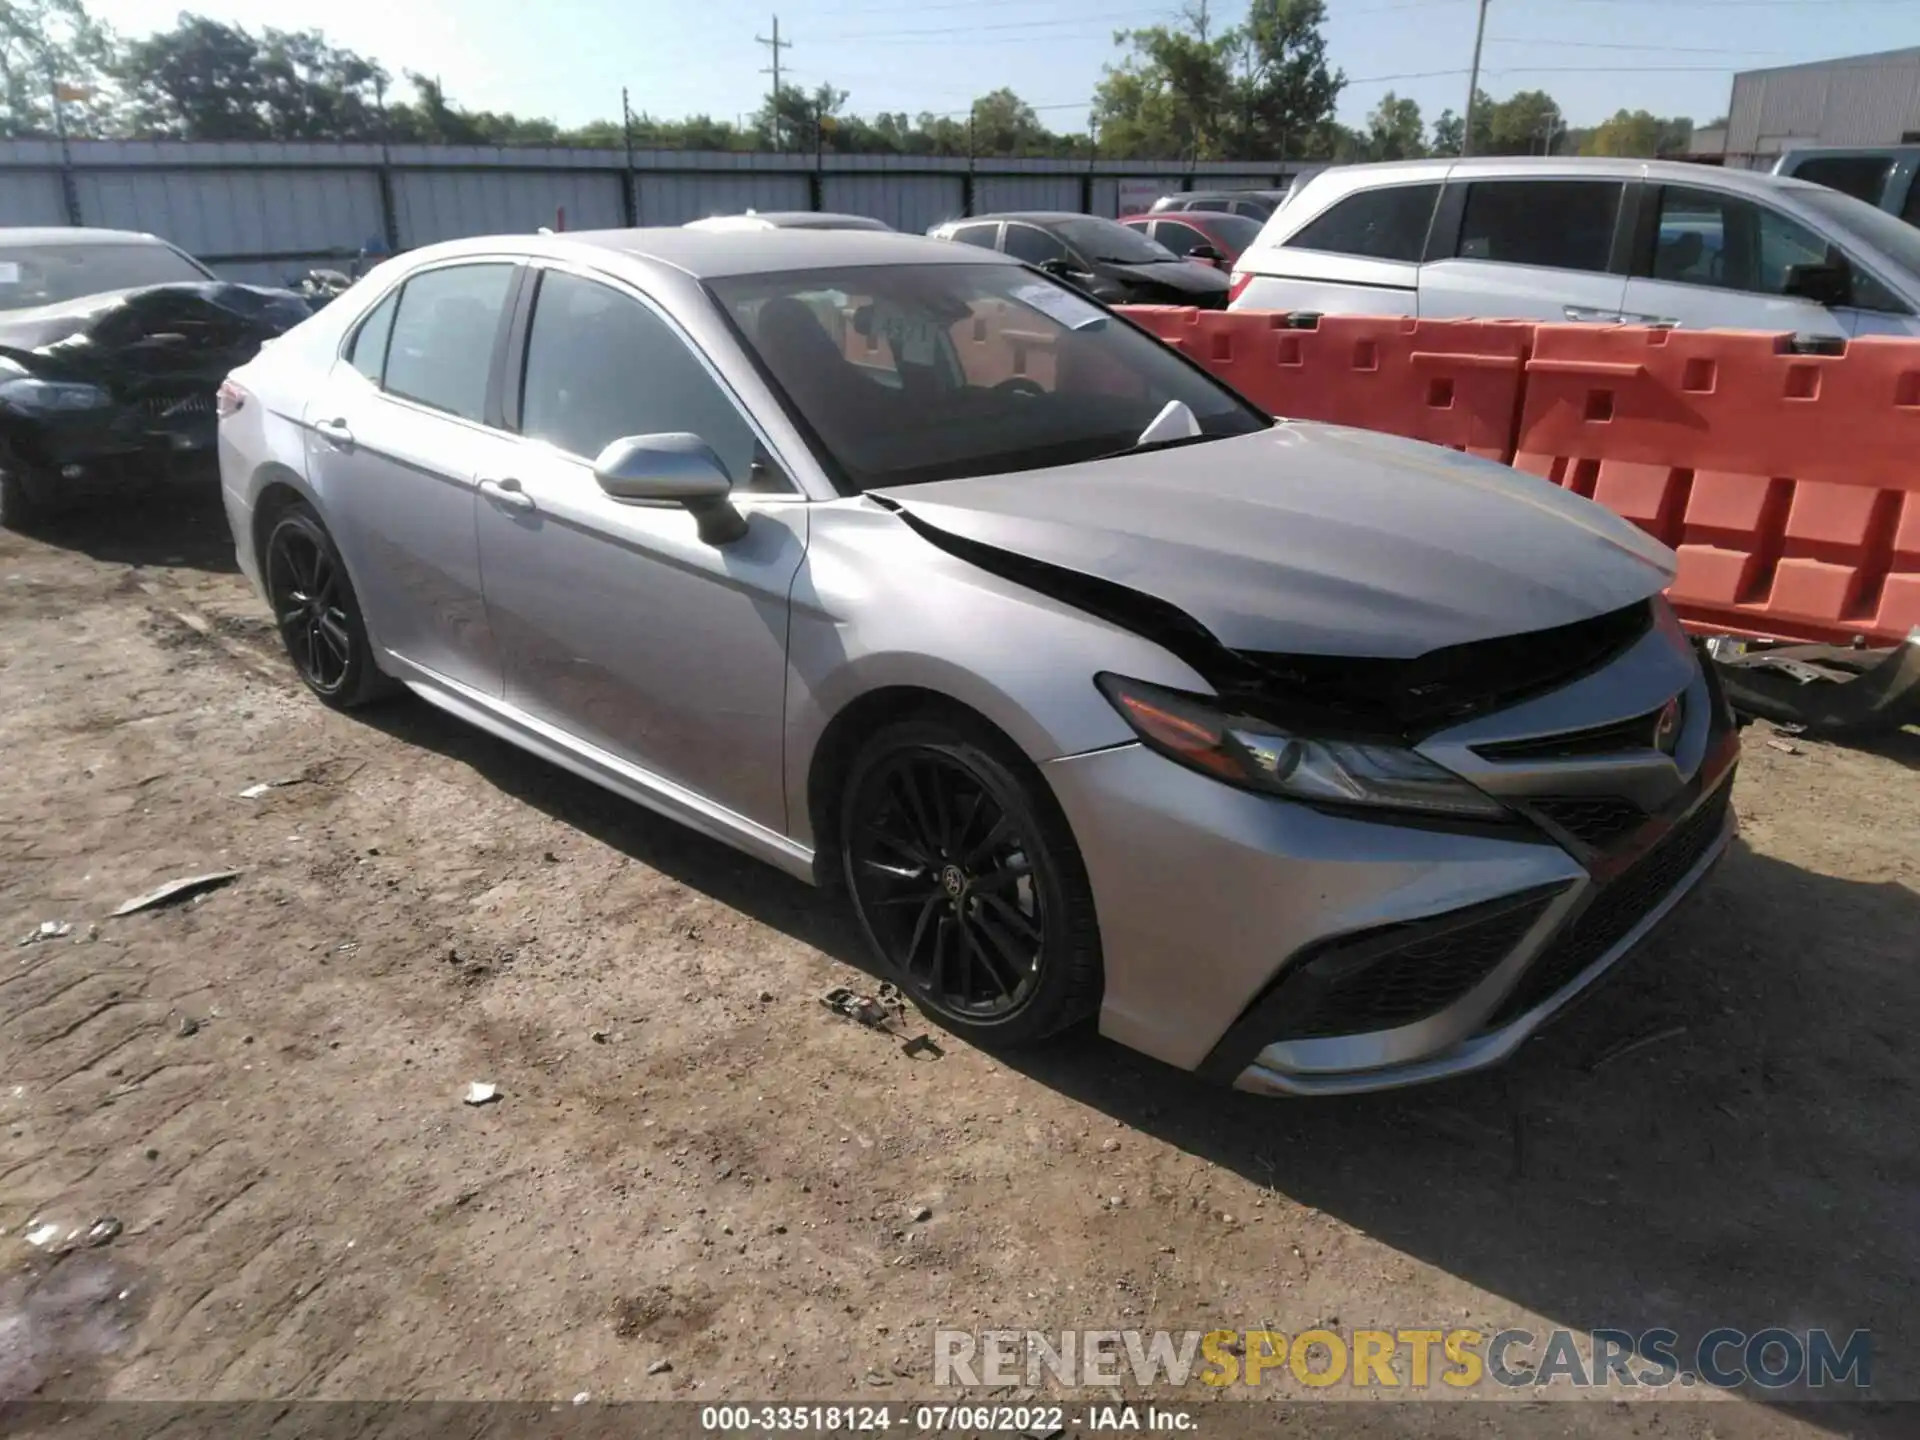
point(1553, 224)
point(441, 349)
point(1180, 239)
point(1389, 223)
point(1862, 176)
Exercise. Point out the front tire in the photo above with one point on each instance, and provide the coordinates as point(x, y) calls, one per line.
point(967, 882)
point(317, 613)
point(20, 507)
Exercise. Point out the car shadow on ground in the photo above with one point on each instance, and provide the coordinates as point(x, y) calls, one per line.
point(1722, 1135)
point(180, 528)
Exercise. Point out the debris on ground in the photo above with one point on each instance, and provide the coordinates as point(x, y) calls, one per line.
point(600, 1037)
point(922, 1214)
point(659, 1367)
point(58, 1239)
point(174, 891)
point(479, 1092)
point(1785, 747)
point(254, 792)
point(875, 1014)
point(47, 930)
point(186, 1026)
point(583, 1397)
point(1640, 1042)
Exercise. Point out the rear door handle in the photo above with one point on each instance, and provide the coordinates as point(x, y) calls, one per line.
point(506, 493)
point(334, 432)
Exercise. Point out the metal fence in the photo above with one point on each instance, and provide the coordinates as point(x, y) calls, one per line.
point(260, 212)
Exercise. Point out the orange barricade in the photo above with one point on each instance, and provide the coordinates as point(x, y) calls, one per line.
point(1449, 382)
point(1789, 483)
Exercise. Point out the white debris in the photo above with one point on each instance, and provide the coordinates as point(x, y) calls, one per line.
point(47, 930)
point(479, 1092)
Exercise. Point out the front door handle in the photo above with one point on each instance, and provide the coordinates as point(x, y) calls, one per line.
point(506, 493)
point(334, 432)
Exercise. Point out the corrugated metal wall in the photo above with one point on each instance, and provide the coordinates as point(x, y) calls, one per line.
point(216, 212)
point(1863, 100)
point(31, 197)
point(675, 197)
point(265, 211)
point(913, 203)
point(434, 205)
point(1025, 192)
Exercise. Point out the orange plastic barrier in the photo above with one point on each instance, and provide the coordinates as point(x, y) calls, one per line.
point(1788, 483)
point(1449, 382)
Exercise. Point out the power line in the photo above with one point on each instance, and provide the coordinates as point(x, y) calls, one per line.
point(1612, 45)
point(1076, 20)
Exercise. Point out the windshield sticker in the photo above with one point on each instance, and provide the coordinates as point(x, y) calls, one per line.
point(9, 272)
point(1062, 305)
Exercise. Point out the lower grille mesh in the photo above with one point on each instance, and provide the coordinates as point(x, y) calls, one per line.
point(1619, 907)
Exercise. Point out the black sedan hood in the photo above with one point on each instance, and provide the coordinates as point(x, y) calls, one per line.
point(1184, 276)
point(200, 329)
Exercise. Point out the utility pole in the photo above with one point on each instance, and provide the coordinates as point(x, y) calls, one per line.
point(1473, 81)
point(775, 45)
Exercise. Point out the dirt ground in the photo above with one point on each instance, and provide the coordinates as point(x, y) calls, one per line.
point(695, 1162)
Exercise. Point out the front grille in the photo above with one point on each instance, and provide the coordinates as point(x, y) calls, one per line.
point(1618, 907)
point(162, 407)
point(1443, 687)
point(1386, 978)
point(1623, 736)
point(1593, 820)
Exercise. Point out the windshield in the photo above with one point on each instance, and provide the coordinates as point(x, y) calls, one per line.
point(50, 274)
point(910, 373)
point(1237, 231)
point(1890, 235)
point(1099, 239)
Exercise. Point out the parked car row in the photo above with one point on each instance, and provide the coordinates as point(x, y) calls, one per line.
point(1609, 241)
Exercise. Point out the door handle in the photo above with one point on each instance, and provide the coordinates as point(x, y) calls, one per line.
point(506, 492)
point(1583, 312)
point(334, 432)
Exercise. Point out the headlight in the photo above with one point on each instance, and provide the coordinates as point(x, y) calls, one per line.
point(1258, 755)
point(31, 394)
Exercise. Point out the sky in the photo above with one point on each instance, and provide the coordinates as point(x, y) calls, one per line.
point(568, 59)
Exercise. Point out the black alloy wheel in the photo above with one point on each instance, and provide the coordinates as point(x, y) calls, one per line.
point(317, 614)
point(968, 884)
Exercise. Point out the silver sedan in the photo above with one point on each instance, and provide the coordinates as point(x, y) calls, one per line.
point(1307, 758)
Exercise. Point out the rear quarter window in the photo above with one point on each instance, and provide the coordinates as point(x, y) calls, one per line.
point(1388, 223)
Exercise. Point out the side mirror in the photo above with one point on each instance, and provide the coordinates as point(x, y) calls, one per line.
point(677, 469)
point(1822, 284)
point(1208, 254)
point(1058, 268)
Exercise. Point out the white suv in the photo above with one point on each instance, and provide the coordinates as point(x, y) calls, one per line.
point(1647, 242)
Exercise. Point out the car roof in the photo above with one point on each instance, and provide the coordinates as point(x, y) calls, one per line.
point(1032, 217)
point(711, 254)
point(74, 235)
point(1570, 167)
point(807, 219)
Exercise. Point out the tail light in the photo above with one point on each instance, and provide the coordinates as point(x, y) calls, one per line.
point(1238, 286)
point(228, 398)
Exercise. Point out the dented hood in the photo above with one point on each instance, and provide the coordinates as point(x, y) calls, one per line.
point(1313, 539)
point(196, 327)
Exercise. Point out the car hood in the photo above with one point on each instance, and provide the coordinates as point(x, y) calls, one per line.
point(1314, 539)
point(192, 328)
point(1182, 275)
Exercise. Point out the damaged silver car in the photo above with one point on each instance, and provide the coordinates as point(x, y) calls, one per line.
point(1310, 759)
point(112, 345)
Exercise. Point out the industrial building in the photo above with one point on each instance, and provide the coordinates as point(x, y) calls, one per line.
point(1859, 100)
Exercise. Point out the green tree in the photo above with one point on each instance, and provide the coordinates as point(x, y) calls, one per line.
point(1448, 132)
point(1004, 124)
point(204, 80)
point(1395, 130)
point(49, 47)
point(1285, 91)
point(1637, 133)
point(1525, 123)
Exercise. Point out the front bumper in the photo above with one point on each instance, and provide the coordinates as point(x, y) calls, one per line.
point(87, 453)
point(1288, 951)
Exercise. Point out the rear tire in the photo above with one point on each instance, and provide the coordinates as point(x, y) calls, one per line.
point(967, 882)
point(317, 613)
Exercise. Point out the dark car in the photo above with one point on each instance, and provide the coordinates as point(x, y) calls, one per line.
point(1103, 258)
point(1201, 236)
point(112, 346)
point(1255, 204)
